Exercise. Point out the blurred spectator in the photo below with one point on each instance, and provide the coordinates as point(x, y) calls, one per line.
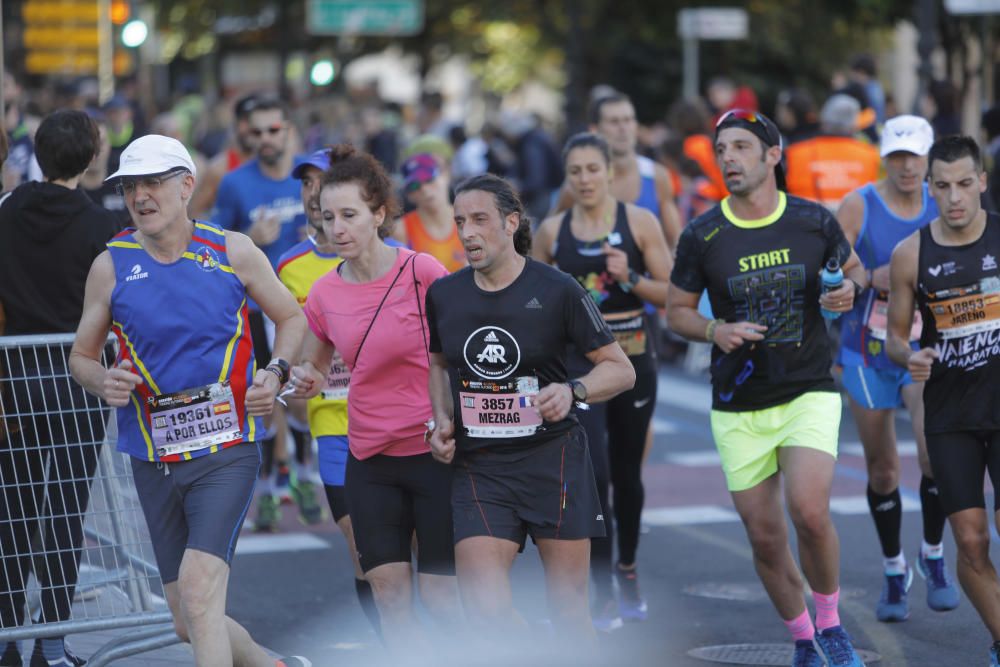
point(864, 72)
point(538, 171)
point(690, 119)
point(940, 106)
point(121, 129)
point(215, 137)
point(50, 233)
point(795, 113)
point(827, 167)
point(991, 126)
point(128, 88)
point(240, 149)
point(380, 141)
point(430, 118)
point(721, 94)
point(430, 226)
point(103, 193)
point(866, 124)
point(471, 154)
point(20, 149)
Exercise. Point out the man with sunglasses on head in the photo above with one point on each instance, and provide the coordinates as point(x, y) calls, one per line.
point(262, 200)
point(775, 408)
point(175, 292)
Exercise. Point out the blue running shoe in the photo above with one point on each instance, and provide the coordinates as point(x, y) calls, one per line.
point(995, 655)
point(606, 617)
point(806, 655)
point(892, 605)
point(836, 646)
point(631, 604)
point(942, 593)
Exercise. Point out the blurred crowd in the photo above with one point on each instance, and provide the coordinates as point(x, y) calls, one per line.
point(830, 141)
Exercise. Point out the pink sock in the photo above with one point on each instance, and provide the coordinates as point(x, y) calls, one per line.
point(827, 615)
point(801, 626)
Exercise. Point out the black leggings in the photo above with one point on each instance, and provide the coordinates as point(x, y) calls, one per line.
point(46, 467)
point(960, 460)
point(595, 423)
point(629, 415)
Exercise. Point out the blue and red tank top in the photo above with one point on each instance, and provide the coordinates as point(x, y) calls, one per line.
point(183, 325)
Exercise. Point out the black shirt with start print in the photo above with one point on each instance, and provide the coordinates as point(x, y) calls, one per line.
point(765, 271)
point(503, 347)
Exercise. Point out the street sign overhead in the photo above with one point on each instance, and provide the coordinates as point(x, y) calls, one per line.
point(972, 6)
point(713, 23)
point(364, 17)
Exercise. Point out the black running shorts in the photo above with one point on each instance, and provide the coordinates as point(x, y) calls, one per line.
point(546, 491)
point(959, 461)
point(197, 504)
point(390, 498)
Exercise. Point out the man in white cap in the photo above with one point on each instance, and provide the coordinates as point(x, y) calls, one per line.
point(875, 218)
point(190, 400)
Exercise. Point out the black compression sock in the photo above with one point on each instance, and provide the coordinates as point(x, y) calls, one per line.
point(887, 511)
point(267, 457)
point(302, 445)
point(934, 517)
point(367, 600)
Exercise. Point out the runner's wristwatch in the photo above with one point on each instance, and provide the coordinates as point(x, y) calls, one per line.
point(280, 368)
point(579, 390)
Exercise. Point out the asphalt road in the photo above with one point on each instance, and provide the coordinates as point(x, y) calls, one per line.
point(294, 592)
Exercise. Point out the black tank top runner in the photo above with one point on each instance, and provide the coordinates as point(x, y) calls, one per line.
point(958, 293)
point(585, 261)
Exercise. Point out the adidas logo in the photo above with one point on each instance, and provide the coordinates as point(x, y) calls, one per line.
point(491, 338)
point(533, 304)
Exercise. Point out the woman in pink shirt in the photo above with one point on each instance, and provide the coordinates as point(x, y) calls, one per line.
point(370, 309)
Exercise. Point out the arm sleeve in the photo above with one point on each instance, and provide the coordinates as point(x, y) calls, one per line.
point(433, 337)
point(837, 244)
point(584, 323)
point(225, 213)
point(687, 273)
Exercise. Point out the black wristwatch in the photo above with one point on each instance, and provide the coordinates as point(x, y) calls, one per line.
point(579, 391)
point(280, 368)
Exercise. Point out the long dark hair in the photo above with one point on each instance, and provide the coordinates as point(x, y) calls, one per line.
point(506, 200)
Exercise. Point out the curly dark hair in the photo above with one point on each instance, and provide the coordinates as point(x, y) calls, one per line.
point(506, 200)
point(349, 165)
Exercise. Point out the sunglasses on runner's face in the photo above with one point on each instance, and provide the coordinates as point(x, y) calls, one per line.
point(127, 187)
point(272, 130)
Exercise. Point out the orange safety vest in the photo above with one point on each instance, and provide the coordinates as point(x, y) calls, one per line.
point(449, 251)
point(699, 148)
point(825, 169)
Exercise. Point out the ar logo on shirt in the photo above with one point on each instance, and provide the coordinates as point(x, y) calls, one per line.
point(492, 352)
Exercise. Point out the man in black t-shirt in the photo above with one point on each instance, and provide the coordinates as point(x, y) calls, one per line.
point(949, 270)
point(502, 401)
point(759, 254)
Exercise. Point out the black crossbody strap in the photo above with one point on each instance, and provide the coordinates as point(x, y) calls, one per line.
point(379, 309)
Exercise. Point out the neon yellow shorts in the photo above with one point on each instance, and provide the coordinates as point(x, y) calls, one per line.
point(748, 442)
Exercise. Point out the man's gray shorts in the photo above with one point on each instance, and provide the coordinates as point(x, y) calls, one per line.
point(197, 504)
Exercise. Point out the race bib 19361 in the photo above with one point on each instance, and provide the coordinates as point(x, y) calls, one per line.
point(193, 419)
point(500, 409)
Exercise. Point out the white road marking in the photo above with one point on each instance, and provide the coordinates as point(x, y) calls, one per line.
point(266, 544)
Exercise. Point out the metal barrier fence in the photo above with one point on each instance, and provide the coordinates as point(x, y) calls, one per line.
point(75, 553)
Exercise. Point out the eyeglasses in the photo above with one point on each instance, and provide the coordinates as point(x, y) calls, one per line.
point(149, 183)
point(260, 132)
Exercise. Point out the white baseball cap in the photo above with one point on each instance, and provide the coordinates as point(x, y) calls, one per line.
point(907, 133)
point(153, 154)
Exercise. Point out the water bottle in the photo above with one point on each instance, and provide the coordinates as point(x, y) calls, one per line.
point(831, 278)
